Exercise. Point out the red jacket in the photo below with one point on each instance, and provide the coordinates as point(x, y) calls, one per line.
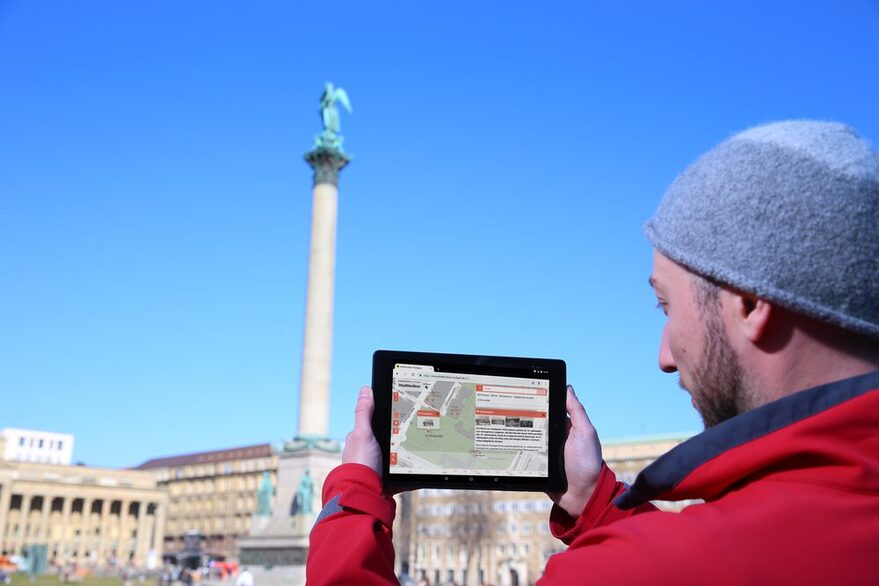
point(791, 494)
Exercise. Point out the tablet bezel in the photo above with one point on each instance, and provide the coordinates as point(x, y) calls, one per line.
point(554, 370)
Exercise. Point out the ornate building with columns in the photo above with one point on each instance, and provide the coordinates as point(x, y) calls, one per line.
point(95, 517)
point(212, 494)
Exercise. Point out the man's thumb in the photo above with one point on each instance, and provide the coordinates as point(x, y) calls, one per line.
point(363, 410)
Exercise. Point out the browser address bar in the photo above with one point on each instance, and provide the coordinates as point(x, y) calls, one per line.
point(535, 391)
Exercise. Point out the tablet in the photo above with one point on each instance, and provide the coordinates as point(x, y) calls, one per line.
point(467, 421)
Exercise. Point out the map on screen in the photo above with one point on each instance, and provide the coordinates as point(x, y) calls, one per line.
point(468, 424)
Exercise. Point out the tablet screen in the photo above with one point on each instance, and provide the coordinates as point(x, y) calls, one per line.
point(467, 424)
point(464, 421)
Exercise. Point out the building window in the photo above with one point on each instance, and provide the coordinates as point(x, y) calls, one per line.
point(60, 445)
point(21, 442)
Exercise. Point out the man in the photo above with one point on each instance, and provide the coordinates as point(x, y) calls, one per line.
point(766, 264)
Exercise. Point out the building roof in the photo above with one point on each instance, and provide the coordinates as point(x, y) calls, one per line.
point(649, 439)
point(241, 453)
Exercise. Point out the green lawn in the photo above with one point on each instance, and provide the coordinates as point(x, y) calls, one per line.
point(52, 580)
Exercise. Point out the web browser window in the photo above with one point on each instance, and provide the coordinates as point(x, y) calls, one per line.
point(468, 424)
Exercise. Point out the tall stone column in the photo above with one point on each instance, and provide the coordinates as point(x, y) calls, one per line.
point(317, 347)
point(277, 546)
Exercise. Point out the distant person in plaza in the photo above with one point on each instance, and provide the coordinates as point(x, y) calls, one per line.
point(245, 578)
point(766, 264)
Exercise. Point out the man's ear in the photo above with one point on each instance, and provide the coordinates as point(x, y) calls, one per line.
point(752, 315)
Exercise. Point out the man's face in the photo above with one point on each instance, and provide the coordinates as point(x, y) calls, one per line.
point(694, 342)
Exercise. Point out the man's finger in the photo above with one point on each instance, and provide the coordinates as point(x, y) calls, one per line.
point(579, 419)
point(363, 410)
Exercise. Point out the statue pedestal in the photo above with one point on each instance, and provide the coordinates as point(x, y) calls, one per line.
point(276, 549)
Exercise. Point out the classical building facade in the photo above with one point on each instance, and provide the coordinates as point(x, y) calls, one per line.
point(99, 517)
point(212, 494)
point(93, 517)
point(501, 538)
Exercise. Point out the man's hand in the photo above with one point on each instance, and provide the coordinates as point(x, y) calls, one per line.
point(361, 446)
point(582, 459)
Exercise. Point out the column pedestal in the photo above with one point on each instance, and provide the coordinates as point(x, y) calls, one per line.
point(277, 547)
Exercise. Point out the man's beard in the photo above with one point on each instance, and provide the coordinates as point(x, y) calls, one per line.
point(718, 388)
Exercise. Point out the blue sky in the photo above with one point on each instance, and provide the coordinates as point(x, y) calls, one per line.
point(154, 205)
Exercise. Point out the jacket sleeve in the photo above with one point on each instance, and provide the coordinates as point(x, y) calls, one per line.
point(599, 511)
point(600, 550)
point(350, 542)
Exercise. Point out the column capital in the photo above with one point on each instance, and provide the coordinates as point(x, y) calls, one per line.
point(326, 163)
point(312, 442)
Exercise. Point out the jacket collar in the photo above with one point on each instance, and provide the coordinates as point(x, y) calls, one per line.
point(707, 465)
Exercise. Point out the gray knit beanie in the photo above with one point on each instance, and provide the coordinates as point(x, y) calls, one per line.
point(788, 211)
